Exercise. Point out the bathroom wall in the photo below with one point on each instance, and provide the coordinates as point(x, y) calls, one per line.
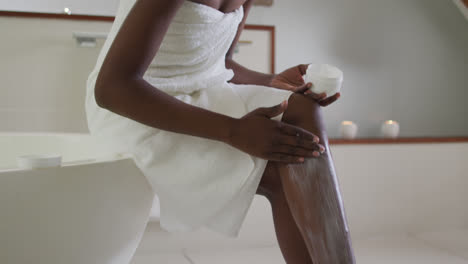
point(43, 74)
point(403, 60)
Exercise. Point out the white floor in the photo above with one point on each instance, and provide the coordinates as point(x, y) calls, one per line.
point(450, 247)
point(406, 249)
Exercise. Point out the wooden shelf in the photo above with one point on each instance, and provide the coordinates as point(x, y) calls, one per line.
point(423, 140)
point(56, 16)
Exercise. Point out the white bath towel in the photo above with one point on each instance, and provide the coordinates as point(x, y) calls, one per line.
point(199, 182)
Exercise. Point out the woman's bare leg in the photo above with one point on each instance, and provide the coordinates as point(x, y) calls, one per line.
point(312, 192)
point(308, 213)
point(290, 240)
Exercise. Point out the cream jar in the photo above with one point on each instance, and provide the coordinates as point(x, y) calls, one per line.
point(325, 78)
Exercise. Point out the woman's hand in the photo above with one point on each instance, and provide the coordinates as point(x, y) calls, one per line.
point(291, 80)
point(258, 135)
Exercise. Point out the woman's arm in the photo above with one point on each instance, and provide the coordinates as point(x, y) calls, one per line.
point(243, 75)
point(120, 88)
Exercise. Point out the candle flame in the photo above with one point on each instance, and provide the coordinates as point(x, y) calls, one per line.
point(347, 123)
point(67, 11)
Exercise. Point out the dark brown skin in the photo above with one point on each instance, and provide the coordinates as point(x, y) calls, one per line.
point(307, 209)
point(312, 193)
point(120, 88)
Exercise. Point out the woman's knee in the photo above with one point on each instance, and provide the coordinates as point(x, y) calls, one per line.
point(299, 108)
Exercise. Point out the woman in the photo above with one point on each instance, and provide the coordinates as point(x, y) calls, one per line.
point(166, 89)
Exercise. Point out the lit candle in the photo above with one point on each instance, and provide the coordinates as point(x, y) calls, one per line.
point(348, 130)
point(390, 129)
point(67, 11)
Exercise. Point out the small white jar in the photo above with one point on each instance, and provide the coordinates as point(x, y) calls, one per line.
point(348, 130)
point(390, 129)
point(325, 78)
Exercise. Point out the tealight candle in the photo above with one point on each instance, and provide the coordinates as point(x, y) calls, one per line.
point(348, 130)
point(390, 129)
point(67, 11)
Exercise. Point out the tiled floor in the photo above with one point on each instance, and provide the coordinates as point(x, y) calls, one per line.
point(428, 248)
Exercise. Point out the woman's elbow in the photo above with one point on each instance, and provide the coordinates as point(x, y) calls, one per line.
point(111, 86)
point(101, 92)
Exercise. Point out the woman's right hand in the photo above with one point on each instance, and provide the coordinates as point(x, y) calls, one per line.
point(258, 135)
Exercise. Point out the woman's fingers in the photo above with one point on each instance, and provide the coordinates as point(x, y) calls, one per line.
point(330, 100)
point(297, 151)
point(296, 143)
point(303, 88)
point(286, 86)
point(322, 97)
point(284, 158)
point(291, 130)
point(317, 97)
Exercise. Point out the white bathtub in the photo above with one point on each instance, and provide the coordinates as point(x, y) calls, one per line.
point(92, 209)
point(73, 147)
point(405, 203)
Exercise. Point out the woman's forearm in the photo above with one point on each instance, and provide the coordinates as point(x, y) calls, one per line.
point(243, 75)
point(138, 100)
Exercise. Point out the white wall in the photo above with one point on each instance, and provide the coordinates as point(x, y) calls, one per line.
point(403, 59)
point(43, 74)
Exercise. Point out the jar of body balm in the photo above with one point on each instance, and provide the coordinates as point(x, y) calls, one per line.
point(325, 78)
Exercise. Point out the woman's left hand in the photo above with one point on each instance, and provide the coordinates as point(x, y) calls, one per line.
point(291, 80)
